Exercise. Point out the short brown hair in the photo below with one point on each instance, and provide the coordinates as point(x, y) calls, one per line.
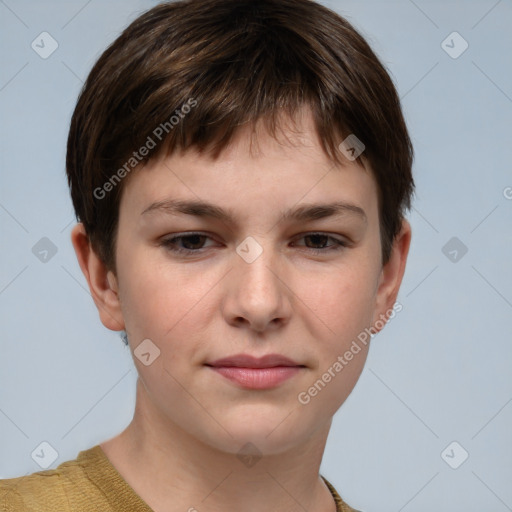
point(239, 61)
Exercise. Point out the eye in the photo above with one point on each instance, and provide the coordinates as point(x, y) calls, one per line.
point(321, 239)
point(190, 243)
point(185, 243)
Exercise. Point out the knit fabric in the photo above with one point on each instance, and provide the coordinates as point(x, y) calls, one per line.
point(89, 483)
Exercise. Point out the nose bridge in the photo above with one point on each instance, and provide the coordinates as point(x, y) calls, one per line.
point(256, 264)
point(257, 293)
point(259, 269)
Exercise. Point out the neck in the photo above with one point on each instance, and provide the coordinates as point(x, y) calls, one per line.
point(171, 470)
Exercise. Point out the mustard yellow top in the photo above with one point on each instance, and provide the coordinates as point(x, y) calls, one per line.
point(89, 483)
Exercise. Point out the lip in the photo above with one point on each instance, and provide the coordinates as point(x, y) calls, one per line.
point(248, 361)
point(256, 372)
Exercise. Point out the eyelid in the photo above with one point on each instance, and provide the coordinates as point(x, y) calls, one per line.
point(336, 236)
point(339, 244)
point(185, 234)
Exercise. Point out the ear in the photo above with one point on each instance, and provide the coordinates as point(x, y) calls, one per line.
point(102, 282)
point(390, 278)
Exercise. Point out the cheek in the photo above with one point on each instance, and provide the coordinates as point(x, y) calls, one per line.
point(343, 305)
point(160, 297)
point(342, 300)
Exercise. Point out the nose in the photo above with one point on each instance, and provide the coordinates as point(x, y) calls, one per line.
point(257, 295)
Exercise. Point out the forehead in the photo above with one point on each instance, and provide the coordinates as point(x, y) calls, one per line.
point(256, 173)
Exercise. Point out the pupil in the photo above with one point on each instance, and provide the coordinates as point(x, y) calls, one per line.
point(316, 237)
point(196, 238)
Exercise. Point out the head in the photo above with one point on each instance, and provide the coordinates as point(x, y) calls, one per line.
point(245, 106)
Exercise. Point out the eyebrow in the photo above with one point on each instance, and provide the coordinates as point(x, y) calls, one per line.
point(305, 212)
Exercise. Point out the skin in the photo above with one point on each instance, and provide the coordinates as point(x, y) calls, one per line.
point(180, 449)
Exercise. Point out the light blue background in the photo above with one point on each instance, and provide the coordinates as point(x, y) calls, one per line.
point(439, 372)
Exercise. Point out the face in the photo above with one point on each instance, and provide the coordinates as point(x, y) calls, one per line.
point(249, 275)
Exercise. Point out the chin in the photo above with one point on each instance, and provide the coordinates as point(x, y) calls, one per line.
point(270, 434)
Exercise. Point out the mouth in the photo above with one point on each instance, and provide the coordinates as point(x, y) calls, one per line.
point(248, 361)
point(256, 373)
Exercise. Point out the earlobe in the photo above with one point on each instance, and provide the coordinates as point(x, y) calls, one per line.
point(102, 283)
point(391, 277)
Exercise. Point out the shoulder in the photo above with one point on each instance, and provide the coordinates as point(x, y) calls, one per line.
point(40, 491)
point(62, 489)
point(10, 499)
point(341, 505)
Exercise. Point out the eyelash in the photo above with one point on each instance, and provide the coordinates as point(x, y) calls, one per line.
point(170, 244)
